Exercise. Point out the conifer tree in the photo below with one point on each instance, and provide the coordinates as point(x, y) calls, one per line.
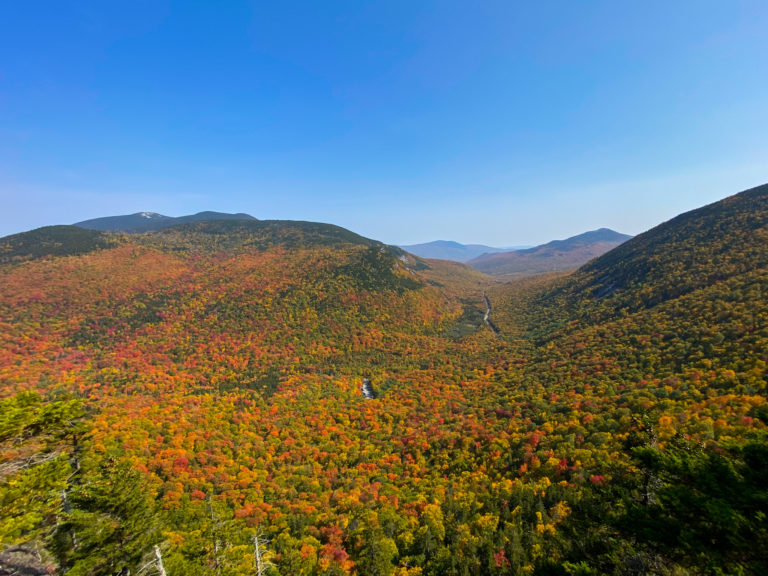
point(110, 525)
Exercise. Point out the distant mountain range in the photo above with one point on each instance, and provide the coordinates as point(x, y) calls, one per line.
point(449, 250)
point(556, 255)
point(147, 221)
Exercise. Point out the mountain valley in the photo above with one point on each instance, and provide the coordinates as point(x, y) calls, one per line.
point(202, 384)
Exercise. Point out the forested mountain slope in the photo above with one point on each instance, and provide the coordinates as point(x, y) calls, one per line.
point(261, 288)
point(664, 342)
point(602, 431)
point(224, 360)
point(693, 250)
point(698, 250)
point(52, 241)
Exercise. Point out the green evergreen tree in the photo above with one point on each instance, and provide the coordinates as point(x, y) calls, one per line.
point(710, 511)
point(45, 439)
point(110, 523)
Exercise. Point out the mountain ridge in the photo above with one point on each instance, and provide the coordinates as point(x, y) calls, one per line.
point(149, 221)
point(566, 254)
point(193, 234)
point(451, 250)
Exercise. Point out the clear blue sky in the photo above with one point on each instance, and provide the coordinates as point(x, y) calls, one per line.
point(495, 122)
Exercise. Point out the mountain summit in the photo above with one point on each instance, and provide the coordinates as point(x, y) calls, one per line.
point(147, 221)
point(556, 255)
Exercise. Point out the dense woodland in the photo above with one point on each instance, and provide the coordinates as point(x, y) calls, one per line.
point(173, 401)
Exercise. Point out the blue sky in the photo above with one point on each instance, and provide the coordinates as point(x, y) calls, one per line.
point(492, 122)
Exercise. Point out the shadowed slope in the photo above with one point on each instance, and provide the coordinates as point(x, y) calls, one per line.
point(52, 241)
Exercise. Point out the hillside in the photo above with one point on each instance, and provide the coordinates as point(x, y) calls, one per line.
point(52, 241)
point(195, 386)
point(295, 277)
point(686, 295)
point(694, 250)
point(699, 250)
point(665, 340)
point(557, 255)
point(148, 221)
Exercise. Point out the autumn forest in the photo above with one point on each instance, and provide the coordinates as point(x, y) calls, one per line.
point(189, 401)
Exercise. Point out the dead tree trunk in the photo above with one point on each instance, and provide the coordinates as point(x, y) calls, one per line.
point(159, 561)
point(261, 555)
